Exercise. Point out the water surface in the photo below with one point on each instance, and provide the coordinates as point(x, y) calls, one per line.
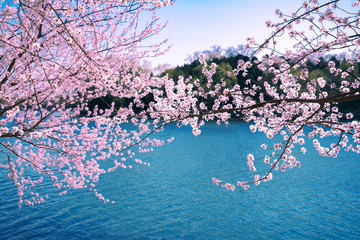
point(175, 198)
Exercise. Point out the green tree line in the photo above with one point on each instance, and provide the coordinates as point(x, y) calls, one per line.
point(317, 68)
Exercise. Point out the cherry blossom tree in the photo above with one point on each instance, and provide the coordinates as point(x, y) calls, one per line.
point(58, 56)
point(287, 102)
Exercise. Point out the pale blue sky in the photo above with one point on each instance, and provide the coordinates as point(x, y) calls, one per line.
point(196, 25)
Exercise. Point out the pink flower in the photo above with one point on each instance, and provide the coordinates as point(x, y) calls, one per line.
point(245, 185)
point(321, 82)
point(344, 74)
point(253, 128)
point(250, 162)
point(303, 150)
point(250, 157)
point(216, 181)
point(267, 159)
point(229, 186)
point(196, 131)
point(268, 177)
point(257, 179)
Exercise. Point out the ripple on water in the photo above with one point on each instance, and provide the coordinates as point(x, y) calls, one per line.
point(175, 198)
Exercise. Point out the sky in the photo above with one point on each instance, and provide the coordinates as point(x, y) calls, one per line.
point(196, 25)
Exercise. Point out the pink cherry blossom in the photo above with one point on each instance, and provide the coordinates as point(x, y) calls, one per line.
point(57, 58)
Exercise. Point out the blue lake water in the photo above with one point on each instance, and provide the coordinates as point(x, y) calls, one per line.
point(176, 199)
